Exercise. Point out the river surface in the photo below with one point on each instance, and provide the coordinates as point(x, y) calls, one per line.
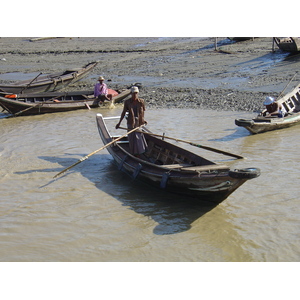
point(96, 213)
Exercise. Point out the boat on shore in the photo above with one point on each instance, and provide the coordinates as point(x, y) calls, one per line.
point(241, 39)
point(48, 83)
point(41, 103)
point(291, 105)
point(174, 169)
point(288, 44)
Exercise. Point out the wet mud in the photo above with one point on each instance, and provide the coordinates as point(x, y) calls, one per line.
point(189, 72)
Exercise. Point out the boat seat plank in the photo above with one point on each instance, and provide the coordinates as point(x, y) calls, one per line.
point(207, 167)
point(176, 166)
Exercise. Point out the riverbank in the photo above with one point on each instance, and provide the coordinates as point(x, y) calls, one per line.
point(175, 72)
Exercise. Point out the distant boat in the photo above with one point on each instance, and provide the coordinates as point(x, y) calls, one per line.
point(241, 39)
point(288, 44)
point(41, 103)
point(172, 168)
point(48, 83)
point(291, 104)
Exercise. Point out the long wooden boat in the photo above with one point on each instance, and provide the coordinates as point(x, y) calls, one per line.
point(50, 82)
point(241, 39)
point(33, 104)
point(175, 169)
point(291, 104)
point(288, 44)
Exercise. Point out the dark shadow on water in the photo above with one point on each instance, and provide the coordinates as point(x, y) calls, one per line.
point(172, 212)
point(236, 134)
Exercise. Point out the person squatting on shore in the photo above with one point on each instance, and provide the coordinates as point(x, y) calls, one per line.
point(101, 91)
point(135, 107)
point(273, 108)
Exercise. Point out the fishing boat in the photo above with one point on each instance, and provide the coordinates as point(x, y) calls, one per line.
point(288, 44)
point(241, 39)
point(174, 169)
point(50, 82)
point(41, 103)
point(291, 107)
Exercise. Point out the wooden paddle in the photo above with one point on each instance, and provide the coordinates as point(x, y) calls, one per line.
point(105, 146)
point(194, 144)
point(20, 112)
point(287, 85)
point(26, 87)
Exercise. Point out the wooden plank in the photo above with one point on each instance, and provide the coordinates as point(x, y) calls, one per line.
point(42, 38)
point(206, 168)
point(176, 166)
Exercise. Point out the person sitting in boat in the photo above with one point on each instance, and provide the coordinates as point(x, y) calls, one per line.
point(135, 107)
point(101, 91)
point(273, 108)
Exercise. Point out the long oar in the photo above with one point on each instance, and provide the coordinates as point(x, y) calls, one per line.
point(105, 146)
point(287, 85)
point(28, 85)
point(196, 145)
point(22, 111)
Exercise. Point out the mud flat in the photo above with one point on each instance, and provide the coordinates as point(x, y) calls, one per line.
point(175, 72)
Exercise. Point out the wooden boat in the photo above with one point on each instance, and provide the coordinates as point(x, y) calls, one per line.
point(290, 103)
point(33, 104)
point(288, 44)
point(50, 82)
point(241, 39)
point(175, 169)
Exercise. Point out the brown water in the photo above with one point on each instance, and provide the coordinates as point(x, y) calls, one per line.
point(96, 213)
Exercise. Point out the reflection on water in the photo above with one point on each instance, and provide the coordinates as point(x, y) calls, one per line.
point(96, 213)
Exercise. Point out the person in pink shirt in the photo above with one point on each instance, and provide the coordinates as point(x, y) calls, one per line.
point(101, 91)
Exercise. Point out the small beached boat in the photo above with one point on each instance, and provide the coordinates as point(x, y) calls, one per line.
point(291, 105)
point(173, 168)
point(241, 39)
point(288, 44)
point(48, 83)
point(33, 104)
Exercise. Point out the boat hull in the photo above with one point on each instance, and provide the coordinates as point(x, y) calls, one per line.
point(291, 105)
point(34, 104)
point(259, 125)
point(194, 177)
point(291, 44)
point(49, 83)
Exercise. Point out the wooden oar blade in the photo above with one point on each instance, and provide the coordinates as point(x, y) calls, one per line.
point(68, 168)
point(94, 152)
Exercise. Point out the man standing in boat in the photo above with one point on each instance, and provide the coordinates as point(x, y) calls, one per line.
point(101, 91)
point(135, 107)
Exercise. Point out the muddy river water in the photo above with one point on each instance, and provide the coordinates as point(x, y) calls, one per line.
point(96, 213)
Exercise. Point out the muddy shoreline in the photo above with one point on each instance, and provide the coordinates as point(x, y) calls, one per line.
point(175, 72)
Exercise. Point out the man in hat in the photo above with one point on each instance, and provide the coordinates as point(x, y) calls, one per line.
point(135, 107)
point(273, 108)
point(101, 91)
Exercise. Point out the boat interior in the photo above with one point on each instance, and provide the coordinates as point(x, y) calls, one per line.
point(168, 155)
point(36, 98)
